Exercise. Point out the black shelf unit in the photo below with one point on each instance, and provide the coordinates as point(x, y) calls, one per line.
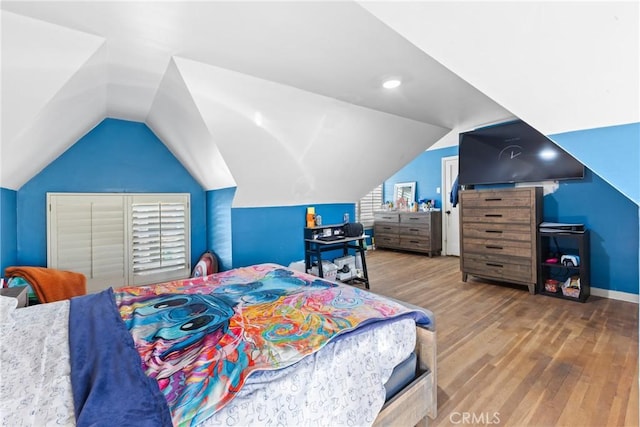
point(314, 246)
point(564, 243)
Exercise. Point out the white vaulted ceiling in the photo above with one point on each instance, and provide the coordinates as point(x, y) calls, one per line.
point(199, 74)
point(566, 65)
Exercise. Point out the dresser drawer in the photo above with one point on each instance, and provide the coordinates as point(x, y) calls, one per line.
point(415, 218)
point(496, 198)
point(497, 231)
point(385, 228)
point(415, 230)
point(496, 215)
point(507, 270)
point(415, 243)
point(498, 247)
point(386, 240)
point(386, 217)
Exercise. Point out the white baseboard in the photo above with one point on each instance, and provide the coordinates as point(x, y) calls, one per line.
point(622, 296)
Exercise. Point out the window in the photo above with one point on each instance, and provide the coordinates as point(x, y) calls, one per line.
point(158, 237)
point(367, 205)
point(118, 239)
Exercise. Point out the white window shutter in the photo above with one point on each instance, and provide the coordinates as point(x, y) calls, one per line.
point(118, 239)
point(368, 205)
point(87, 235)
point(159, 236)
point(70, 239)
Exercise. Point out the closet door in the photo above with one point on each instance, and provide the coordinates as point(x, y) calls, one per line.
point(86, 234)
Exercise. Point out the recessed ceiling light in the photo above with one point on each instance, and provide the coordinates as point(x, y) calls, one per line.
point(391, 83)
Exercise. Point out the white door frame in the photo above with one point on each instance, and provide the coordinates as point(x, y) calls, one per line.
point(445, 196)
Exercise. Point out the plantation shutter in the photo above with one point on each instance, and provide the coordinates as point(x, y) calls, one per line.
point(367, 205)
point(159, 238)
point(88, 237)
point(118, 239)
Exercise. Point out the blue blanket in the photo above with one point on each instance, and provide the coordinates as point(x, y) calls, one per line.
point(109, 386)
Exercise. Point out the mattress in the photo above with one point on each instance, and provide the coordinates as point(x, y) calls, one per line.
point(343, 383)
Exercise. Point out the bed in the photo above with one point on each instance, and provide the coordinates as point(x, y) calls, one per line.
point(259, 345)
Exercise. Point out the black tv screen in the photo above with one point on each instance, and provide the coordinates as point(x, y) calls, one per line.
point(512, 152)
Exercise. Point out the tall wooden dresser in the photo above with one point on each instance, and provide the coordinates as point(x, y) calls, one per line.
point(409, 231)
point(498, 237)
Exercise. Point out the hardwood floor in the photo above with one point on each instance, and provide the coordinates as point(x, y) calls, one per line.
point(509, 358)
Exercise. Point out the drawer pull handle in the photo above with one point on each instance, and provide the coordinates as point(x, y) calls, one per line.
point(493, 215)
point(490, 264)
point(414, 229)
point(493, 247)
point(493, 199)
point(493, 231)
point(413, 241)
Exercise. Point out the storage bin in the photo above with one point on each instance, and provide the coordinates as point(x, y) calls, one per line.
point(329, 270)
point(571, 288)
point(551, 285)
point(346, 267)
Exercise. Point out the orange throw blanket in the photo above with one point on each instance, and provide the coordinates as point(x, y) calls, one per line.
point(50, 284)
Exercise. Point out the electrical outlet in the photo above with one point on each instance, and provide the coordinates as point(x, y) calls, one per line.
point(437, 190)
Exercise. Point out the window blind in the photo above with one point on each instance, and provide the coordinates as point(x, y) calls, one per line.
point(367, 205)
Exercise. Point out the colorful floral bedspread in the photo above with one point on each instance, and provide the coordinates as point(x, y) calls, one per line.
point(200, 338)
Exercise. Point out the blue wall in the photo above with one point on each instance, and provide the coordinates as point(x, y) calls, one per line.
point(612, 220)
point(219, 227)
point(8, 227)
point(276, 234)
point(612, 152)
point(426, 171)
point(116, 156)
point(246, 236)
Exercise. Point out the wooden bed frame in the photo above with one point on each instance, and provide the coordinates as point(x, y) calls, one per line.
point(418, 400)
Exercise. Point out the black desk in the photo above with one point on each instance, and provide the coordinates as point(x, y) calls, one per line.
point(313, 249)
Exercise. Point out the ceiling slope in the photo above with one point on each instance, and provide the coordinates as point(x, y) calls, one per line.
point(55, 104)
point(38, 58)
point(286, 146)
point(78, 107)
point(175, 119)
point(45, 97)
point(560, 66)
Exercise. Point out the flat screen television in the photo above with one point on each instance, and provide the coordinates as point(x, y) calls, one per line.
point(512, 152)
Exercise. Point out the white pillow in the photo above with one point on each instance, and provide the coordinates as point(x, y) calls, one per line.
point(7, 306)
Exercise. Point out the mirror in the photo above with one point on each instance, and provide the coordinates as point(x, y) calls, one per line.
point(405, 193)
